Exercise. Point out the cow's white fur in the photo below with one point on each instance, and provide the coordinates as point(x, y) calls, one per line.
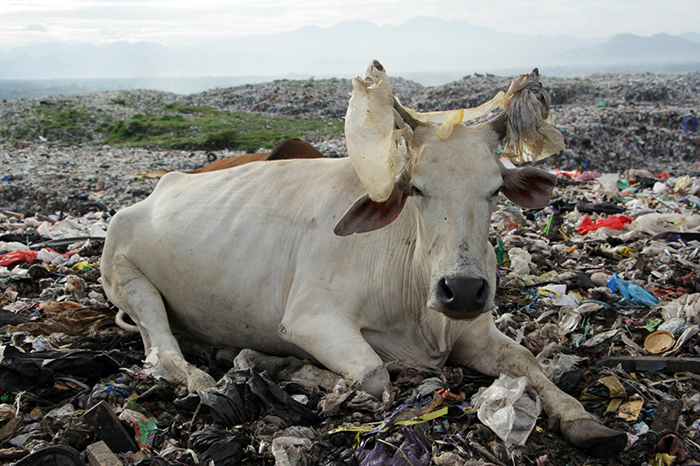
point(247, 258)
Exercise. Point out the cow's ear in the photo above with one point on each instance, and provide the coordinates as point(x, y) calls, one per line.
point(367, 215)
point(528, 187)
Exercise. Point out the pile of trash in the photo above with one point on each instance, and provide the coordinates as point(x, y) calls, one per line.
point(603, 286)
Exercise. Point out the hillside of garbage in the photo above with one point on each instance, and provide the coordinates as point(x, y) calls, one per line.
point(602, 286)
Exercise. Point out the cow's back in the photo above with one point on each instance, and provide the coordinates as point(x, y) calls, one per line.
point(222, 248)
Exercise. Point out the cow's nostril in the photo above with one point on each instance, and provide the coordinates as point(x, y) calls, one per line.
point(445, 290)
point(463, 294)
point(482, 294)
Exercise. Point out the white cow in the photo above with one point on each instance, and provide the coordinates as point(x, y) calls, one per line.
point(264, 256)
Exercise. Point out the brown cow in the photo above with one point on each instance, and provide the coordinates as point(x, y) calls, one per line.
point(293, 148)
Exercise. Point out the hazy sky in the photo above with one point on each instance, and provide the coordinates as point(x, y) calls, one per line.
point(29, 22)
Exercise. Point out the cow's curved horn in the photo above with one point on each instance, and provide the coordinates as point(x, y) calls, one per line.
point(376, 135)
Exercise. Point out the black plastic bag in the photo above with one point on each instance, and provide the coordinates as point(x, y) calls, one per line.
point(222, 447)
point(244, 395)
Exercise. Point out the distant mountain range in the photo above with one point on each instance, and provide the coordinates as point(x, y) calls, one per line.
point(423, 49)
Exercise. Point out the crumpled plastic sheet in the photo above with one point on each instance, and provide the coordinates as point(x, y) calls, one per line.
point(18, 257)
point(631, 292)
point(290, 451)
point(686, 307)
point(219, 445)
point(530, 134)
point(244, 395)
point(508, 409)
point(616, 222)
point(411, 452)
point(520, 263)
point(558, 365)
point(31, 371)
point(657, 223)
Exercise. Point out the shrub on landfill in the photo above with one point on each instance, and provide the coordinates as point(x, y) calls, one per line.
point(193, 127)
point(226, 139)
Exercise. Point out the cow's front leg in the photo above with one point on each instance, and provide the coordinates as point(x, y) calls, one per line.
point(483, 348)
point(132, 292)
point(337, 343)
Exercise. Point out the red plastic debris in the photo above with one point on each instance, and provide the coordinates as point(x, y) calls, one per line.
point(18, 257)
point(616, 222)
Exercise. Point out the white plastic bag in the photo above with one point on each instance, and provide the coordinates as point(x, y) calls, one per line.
point(508, 408)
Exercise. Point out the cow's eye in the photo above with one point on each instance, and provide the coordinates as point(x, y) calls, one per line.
point(417, 192)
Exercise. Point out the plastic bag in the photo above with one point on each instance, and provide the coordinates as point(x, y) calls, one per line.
point(217, 444)
point(411, 452)
point(631, 292)
point(530, 135)
point(616, 222)
point(244, 395)
point(520, 263)
point(508, 409)
point(18, 257)
point(377, 150)
point(558, 365)
point(290, 451)
point(685, 307)
point(377, 138)
point(656, 223)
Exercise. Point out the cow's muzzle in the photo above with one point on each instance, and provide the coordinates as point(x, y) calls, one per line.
point(463, 297)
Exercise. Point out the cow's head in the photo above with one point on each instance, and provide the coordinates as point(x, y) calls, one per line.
point(451, 183)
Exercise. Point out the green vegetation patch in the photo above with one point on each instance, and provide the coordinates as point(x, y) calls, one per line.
point(203, 128)
point(175, 126)
point(60, 121)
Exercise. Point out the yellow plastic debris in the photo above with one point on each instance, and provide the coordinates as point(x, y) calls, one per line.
point(682, 183)
point(372, 425)
point(630, 409)
point(81, 266)
point(152, 175)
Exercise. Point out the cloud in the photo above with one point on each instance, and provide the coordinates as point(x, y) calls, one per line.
point(182, 21)
point(35, 27)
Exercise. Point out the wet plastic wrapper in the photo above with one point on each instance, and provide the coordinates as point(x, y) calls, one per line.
point(377, 138)
point(530, 134)
point(508, 409)
point(376, 148)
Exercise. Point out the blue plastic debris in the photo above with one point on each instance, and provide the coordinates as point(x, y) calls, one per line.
point(631, 292)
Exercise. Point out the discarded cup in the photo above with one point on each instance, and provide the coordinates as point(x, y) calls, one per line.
point(659, 341)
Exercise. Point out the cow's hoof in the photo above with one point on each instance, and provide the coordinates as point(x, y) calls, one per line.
point(199, 380)
point(376, 382)
point(594, 438)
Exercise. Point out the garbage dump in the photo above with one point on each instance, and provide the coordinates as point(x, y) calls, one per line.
point(602, 286)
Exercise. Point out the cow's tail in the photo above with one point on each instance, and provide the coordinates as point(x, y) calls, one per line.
point(122, 324)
